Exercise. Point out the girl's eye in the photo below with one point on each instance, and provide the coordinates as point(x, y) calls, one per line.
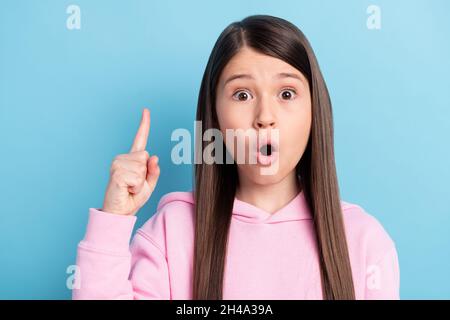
point(288, 94)
point(242, 95)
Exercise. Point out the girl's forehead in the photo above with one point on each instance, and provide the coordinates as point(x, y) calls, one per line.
point(251, 59)
point(251, 65)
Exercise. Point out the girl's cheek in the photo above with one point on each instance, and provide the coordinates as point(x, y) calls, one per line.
point(234, 117)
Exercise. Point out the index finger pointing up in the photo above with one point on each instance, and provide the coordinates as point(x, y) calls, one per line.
point(140, 141)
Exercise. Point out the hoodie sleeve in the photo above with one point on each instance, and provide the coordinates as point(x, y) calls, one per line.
point(110, 268)
point(383, 277)
point(373, 255)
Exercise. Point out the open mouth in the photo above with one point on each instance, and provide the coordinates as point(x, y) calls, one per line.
point(267, 154)
point(267, 149)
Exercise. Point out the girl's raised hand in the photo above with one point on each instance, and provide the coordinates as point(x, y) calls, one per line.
point(133, 176)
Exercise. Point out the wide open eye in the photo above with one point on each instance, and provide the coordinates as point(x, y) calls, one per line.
point(288, 94)
point(242, 95)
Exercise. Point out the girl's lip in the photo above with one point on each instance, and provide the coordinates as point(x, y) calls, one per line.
point(274, 146)
point(267, 160)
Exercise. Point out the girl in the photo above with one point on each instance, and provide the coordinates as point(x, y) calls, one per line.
point(242, 234)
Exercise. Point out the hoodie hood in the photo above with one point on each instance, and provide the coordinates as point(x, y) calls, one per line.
point(295, 209)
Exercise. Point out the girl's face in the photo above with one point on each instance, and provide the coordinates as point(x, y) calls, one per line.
point(260, 93)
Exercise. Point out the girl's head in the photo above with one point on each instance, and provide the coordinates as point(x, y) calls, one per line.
point(259, 93)
point(262, 74)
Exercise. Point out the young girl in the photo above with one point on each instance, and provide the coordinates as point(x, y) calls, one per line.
point(242, 234)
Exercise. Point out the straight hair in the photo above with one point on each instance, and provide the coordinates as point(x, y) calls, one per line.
point(215, 184)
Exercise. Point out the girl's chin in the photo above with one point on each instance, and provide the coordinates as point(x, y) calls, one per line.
point(262, 174)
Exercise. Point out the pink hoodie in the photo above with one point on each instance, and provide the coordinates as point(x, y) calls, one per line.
point(270, 256)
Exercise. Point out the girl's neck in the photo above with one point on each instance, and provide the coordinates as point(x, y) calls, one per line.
point(270, 197)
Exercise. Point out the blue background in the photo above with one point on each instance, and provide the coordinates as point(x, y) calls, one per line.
point(71, 100)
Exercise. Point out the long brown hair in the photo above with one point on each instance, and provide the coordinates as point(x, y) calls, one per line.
point(216, 184)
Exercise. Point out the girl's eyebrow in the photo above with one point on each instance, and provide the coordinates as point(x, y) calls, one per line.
point(289, 75)
point(238, 76)
point(247, 76)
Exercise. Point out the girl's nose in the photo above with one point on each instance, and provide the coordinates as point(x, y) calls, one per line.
point(264, 117)
point(264, 123)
